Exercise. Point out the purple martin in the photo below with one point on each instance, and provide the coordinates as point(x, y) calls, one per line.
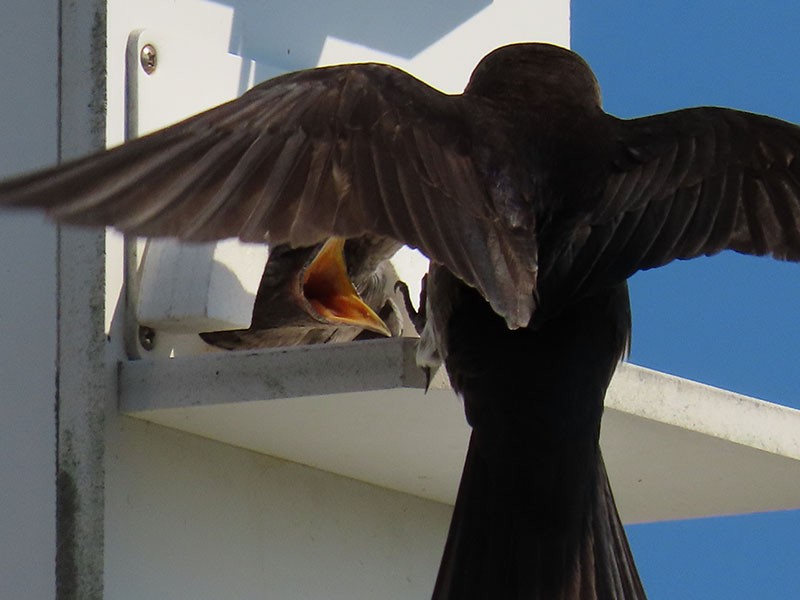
point(534, 206)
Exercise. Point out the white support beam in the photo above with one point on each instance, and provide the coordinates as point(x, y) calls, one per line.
point(674, 449)
point(82, 394)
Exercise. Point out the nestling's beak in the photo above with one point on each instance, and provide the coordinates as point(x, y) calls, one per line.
point(329, 291)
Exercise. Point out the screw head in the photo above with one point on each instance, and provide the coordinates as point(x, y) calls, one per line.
point(147, 338)
point(148, 58)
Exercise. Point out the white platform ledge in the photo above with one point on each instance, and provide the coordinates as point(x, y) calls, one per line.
point(675, 449)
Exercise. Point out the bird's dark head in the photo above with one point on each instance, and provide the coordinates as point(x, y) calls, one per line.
point(535, 74)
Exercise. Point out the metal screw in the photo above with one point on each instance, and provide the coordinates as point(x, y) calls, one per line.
point(147, 337)
point(148, 58)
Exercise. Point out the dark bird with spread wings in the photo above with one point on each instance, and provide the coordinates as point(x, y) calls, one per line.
point(534, 207)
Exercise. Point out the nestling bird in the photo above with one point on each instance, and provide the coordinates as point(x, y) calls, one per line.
point(332, 292)
point(534, 206)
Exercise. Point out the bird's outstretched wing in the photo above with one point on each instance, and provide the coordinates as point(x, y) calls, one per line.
point(683, 184)
point(344, 151)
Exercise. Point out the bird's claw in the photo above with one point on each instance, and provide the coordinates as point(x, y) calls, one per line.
point(418, 317)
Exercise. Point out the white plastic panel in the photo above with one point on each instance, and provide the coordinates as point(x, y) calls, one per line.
point(199, 287)
point(189, 288)
point(28, 310)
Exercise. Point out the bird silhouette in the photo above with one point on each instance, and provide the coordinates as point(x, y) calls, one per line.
point(534, 206)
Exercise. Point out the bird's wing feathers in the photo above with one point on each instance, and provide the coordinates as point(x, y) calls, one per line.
point(346, 151)
point(689, 183)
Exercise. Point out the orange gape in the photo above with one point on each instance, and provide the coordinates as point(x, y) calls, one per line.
point(327, 287)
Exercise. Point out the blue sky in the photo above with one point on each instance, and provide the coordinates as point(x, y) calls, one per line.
point(729, 321)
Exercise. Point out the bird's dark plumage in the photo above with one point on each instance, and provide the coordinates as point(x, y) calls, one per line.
point(534, 516)
point(534, 206)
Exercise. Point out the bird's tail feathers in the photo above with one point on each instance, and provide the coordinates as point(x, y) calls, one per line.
point(498, 547)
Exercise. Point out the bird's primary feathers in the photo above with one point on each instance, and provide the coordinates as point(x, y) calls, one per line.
point(534, 207)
